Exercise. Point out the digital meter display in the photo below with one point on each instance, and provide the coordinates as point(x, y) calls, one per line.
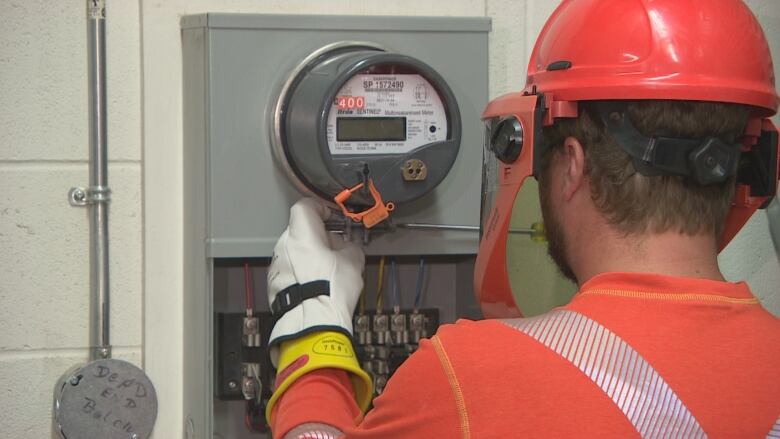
point(371, 129)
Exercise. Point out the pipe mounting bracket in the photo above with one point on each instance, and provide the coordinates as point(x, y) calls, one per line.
point(80, 196)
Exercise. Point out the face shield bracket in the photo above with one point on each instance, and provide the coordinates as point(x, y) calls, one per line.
point(758, 167)
point(758, 174)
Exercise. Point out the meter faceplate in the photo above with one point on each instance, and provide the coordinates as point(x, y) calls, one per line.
point(385, 113)
point(330, 148)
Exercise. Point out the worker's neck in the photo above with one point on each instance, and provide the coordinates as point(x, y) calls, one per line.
point(668, 253)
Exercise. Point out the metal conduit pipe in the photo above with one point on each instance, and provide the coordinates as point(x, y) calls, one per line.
point(98, 195)
point(98, 181)
point(127, 411)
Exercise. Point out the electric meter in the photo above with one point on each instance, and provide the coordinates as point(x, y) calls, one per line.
point(355, 113)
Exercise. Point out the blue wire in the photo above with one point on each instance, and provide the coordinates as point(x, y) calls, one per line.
point(420, 276)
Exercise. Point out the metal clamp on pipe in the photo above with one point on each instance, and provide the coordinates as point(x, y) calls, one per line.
point(80, 196)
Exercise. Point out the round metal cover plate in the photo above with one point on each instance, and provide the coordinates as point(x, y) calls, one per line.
point(107, 399)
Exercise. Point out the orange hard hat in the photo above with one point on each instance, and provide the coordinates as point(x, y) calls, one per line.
point(612, 50)
point(694, 50)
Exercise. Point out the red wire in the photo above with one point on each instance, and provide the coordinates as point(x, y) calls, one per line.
point(250, 296)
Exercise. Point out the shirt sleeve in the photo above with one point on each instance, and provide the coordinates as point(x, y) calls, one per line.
point(418, 401)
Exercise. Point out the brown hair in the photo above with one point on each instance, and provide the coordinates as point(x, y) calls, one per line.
point(634, 203)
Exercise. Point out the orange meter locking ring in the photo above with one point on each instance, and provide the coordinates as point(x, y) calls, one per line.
point(371, 216)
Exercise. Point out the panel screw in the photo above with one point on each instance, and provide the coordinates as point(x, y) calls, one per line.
point(74, 380)
point(233, 385)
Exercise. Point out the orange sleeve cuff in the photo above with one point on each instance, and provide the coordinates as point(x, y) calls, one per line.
point(321, 396)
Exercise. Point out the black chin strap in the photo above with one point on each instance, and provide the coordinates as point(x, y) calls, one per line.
point(706, 161)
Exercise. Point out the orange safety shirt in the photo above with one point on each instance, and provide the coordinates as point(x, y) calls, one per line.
point(632, 355)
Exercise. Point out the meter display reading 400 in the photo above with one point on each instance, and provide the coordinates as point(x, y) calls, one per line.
point(385, 114)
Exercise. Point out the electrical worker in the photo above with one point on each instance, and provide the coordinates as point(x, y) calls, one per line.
point(638, 135)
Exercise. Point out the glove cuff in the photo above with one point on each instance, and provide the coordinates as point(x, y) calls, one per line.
point(319, 350)
point(317, 314)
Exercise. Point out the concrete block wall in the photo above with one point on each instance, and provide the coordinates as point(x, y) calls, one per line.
point(44, 283)
point(44, 269)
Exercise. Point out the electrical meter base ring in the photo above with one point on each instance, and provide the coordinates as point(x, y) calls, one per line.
point(404, 99)
point(277, 148)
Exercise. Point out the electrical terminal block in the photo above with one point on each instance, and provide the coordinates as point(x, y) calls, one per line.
point(251, 386)
point(363, 329)
point(251, 328)
point(243, 368)
point(417, 327)
point(381, 367)
point(390, 339)
point(380, 381)
point(381, 329)
point(399, 329)
point(369, 354)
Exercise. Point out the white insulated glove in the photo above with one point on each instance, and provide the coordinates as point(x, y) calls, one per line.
point(315, 278)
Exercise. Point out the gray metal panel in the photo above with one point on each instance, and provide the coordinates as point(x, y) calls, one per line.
point(194, 21)
point(236, 200)
point(250, 195)
point(337, 22)
point(197, 302)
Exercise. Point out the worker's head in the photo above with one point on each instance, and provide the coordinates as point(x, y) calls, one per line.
point(653, 107)
point(584, 170)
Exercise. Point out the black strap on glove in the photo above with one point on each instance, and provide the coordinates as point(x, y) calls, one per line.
point(293, 295)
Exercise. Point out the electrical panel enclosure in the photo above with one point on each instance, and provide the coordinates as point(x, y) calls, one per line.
point(237, 195)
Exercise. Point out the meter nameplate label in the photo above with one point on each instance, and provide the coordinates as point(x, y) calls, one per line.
point(385, 114)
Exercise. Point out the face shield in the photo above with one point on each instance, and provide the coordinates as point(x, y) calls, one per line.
point(512, 153)
point(758, 174)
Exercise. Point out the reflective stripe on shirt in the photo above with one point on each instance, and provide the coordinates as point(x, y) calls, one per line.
point(775, 432)
point(314, 431)
point(622, 373)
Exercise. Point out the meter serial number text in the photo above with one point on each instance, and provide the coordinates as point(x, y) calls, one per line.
point(383, 85)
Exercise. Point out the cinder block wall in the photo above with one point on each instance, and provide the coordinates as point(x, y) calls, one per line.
point(44, 284)
point(44, 269)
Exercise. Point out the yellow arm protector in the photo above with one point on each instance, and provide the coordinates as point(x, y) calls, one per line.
point(320, 350)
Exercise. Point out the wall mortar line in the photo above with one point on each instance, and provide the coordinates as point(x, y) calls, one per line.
point(38, 353)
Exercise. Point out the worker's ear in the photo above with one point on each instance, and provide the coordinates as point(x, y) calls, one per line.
point(573, 156)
